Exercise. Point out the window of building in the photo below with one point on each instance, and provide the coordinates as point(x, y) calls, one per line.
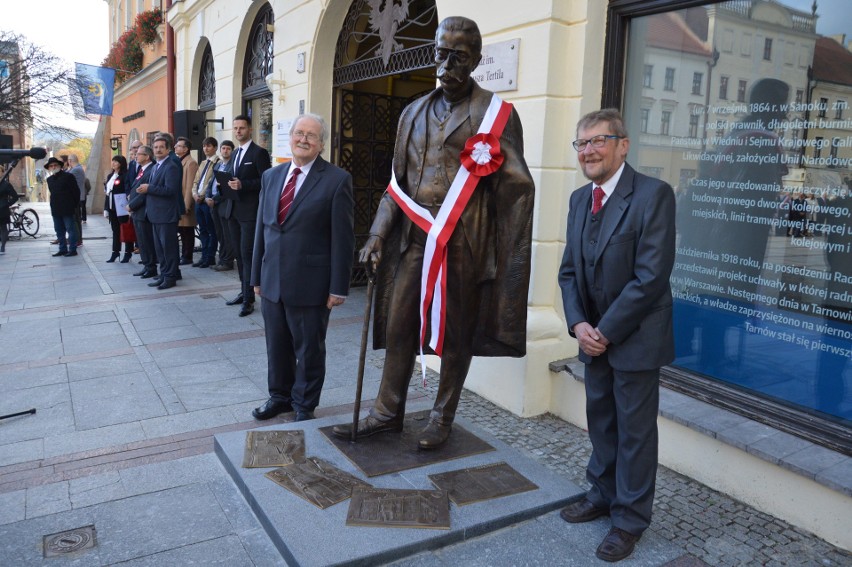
point(721, 352)
point(697, 78)
point(647, 76)
point(207, 82)
point(257, 98)
point(644, 115)
point(669, 83)
point(665, 122)
point(693, 126)
point(741, 90)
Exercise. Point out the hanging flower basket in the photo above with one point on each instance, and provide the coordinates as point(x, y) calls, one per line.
point(147, 26)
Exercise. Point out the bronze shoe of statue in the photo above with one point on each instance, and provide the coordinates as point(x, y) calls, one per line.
point(434, 435)
point(366, 427)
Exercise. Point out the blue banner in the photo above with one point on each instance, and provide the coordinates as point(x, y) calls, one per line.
point(96, 85)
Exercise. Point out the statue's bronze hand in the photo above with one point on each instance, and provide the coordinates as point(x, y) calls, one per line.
point(371, 254)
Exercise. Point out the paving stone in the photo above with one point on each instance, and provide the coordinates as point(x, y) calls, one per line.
point(213, 371)
point(108, 387)
point(78, 441)
point(47, 499)
point(260, 549)
point(169, 334)
point(812, 460)
point(223, 551)
point(221, 393)
point(195, 354)
point(33, 377)
point(121, 407)
point(185, 422)
point(173, 318)
point(143, 525)
point(95, 489)
point(14, 506)
point(21, 452)
point(82, 345)
point(170, 474)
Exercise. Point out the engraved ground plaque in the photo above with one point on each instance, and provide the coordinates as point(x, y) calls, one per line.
point(393, 452)
point(317, 481)
point(485, 482)
point(274, 448)
point(395, 508)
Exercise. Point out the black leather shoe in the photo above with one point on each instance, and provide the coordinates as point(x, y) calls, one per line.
point(366, 427)
point(248, 309)
point(152, 274)
point(157, 282)
point(167, 284)
point(223, 267)
point(113, 258)
point(582, 511)
point(60, 253)
point(179, 276)
point(197, 264)
point(202, 265)
point(304, 416)
point(238, 300)
point(126, 258)
point(72, 253)
point(270, 409)
point(141, 272)
point(184, 262)
point(617, 545)
point(433, 435)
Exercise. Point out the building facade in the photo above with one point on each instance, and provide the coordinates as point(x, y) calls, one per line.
point(716, 96)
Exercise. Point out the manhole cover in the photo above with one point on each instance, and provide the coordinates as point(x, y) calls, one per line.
point(69, 541)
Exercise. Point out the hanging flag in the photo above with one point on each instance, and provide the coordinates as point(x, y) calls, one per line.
point(96, 85)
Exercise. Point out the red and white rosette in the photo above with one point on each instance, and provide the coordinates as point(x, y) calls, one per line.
point(480, 157)
point(481, 154)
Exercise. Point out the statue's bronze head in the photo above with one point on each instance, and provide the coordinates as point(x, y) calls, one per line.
point(458, 50)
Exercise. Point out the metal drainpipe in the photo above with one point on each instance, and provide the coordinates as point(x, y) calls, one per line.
point(170, 70)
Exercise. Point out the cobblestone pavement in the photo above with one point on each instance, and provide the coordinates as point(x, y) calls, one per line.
point(707, 524)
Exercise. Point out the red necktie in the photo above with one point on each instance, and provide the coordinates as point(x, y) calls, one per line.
point(597, 200)
point(141, 173)
point(287, 196)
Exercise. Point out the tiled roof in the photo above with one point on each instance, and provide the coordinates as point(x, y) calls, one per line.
point(832, 62)
point(669, 31)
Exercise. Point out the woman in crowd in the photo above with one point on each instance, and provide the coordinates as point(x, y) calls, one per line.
point(8, 196)
point(117, 184)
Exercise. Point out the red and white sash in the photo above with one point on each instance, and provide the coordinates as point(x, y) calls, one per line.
point(481, 156)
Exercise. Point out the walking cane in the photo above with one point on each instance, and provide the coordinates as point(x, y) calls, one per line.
point(365, 330)
point(29, 411)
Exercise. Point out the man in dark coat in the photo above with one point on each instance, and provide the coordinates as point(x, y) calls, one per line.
point(488, 252)
point(619, 254)
point(163, 208)
point(139, 214)
point(64, 202)
point(302, 262)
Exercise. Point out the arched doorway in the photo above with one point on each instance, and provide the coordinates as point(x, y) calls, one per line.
point(385, 58)
point(257, 98)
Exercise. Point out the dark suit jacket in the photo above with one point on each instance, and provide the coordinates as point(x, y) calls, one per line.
point(252, 165)
point(165, 193)
point(633, 262)
point(310, 256)
point(64, 194)
point(136, 201)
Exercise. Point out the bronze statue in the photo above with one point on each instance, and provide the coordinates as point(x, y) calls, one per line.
point(485, 262)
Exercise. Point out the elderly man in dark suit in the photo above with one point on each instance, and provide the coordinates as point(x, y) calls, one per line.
point(138, 213)
point(248, 163)
point(303, 250)
point(162, 207)
point(618, 304)
point(64, 201)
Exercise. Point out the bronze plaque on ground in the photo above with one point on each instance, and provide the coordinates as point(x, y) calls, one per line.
point(395, 508)
point(317, 481)
point(389, 452)
point(274, 448)
point(485, 482)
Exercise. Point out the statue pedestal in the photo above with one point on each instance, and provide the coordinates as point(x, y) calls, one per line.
point(307, 535)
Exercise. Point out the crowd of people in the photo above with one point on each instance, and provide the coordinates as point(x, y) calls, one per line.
point(156, 197)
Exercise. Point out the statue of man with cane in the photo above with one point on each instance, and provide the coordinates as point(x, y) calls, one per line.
point(450, 243)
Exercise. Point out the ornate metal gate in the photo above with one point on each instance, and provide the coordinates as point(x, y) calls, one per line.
point(380, 39)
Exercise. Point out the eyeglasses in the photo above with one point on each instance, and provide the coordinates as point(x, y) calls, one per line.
point(596, 141)
point(310, 136)
point(444, 53)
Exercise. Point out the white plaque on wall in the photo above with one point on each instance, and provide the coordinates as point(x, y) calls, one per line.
point(498, 70)
point(281, 141)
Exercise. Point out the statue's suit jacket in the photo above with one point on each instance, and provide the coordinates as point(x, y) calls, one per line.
point(310, 256)
point(497, 224)
point(252, 166)
point(633, 260)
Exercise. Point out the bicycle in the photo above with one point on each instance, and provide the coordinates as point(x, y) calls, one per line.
point(25, 222)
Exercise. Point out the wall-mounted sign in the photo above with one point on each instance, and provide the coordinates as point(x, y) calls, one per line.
point(498, 70)
point(281, 140)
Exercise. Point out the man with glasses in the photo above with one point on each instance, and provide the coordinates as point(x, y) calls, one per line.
point(619, 253)
point(248, 163)
point(487, 249)
point(303, 248)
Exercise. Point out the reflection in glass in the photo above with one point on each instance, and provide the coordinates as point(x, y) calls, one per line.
point(763, 275)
